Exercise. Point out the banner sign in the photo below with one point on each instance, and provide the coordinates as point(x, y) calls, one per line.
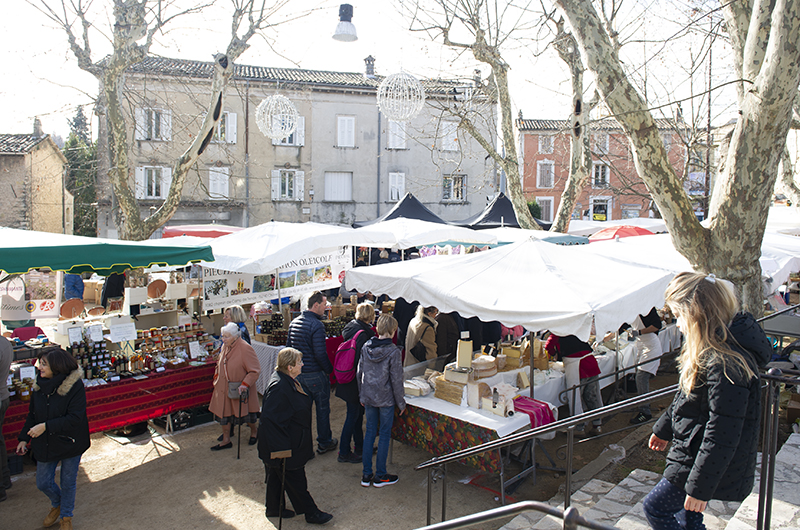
point(31, 295)
point(314, 272)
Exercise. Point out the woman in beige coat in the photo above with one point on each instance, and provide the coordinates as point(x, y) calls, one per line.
point(422, 328)
point(237, 362)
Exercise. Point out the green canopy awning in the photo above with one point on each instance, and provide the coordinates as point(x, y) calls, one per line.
point(22, 250)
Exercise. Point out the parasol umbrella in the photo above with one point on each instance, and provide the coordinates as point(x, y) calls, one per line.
point(612, 232)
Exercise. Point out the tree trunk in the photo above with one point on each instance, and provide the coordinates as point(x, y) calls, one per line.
point(731, 246)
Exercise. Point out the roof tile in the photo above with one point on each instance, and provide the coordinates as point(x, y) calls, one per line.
point(18, 143)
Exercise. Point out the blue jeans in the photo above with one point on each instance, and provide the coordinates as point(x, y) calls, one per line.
point(663, 507)
point(352, 428)
point(64, 496)
point(384, 416)
point(318, 386)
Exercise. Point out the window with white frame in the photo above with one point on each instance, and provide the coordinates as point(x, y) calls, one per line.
point(545, 173)
point(600, 176)
point(397, 186)
point(338, 186)
point(345, 131)
point(600, 209)
point(600, 143)
point(218, 183)
point(454, 188)
point(545, 144)
point(397, 135)
point(153, 124)
point(297, 138)
point(152, 182)
point(288, 185)
point(226, 129)
point(449, 136)
point(546, 205)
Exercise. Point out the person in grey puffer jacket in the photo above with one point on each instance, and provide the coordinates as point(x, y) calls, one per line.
point(713, 422)
point(380, 386)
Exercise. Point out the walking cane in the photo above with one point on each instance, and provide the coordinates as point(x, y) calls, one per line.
point(283, 489)
point(242, 397)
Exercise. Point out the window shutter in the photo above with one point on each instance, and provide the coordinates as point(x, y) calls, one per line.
point(218, 182)
point(396, 186)
point(346, 131)
point(300, 133)
point(276, 184)
point(230, 128)
point(140, 127)
point(299, 185)
point(397, 135)
point(166, 125)
point(139, 181)
point(166, 181)
point(340, 139)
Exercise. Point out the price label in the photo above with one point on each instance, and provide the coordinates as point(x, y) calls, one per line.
point(123, 332)
point(195, 350)
point(8, 383)
point(160, 369)
point(75, 335)
point(27, 372)
point(96, 332)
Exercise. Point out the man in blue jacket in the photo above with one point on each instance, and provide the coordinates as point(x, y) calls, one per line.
point(307, 334)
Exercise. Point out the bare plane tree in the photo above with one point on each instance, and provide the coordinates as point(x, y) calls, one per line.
point(135, 25)
point(765, 38)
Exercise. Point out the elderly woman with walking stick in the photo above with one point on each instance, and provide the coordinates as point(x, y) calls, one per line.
point(285, 442)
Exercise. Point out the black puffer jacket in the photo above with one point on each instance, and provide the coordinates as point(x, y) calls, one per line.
point(349, 391)
point(59, 402)
point(714, 431)
point(307, 334)
point(285, 429)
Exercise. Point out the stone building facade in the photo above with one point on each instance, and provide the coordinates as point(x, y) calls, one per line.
point(31, 184)
point(345, 162)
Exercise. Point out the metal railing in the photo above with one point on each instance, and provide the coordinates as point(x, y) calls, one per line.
point(572, 519)
point(437, 466)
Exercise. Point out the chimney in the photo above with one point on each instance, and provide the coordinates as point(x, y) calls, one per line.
point(37, 128)
point(370, 70)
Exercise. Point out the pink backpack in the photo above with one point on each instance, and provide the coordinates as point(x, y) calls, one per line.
point(344, 363)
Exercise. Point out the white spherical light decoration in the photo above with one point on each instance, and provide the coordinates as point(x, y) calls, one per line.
point(401, 97)
point(277, 117)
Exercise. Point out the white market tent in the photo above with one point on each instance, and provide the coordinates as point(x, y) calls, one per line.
point(784, 220)
point(780, 254)
point(531, 283)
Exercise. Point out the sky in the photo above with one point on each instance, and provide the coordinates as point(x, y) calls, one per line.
point(42, 78)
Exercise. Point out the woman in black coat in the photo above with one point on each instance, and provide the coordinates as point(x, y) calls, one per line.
point(353, 422)
point(57, 430)
point(713, 420)
point(285, 442)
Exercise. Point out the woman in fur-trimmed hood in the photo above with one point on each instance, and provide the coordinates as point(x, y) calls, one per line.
point(57, 431)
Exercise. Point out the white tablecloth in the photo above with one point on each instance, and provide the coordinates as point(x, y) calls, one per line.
point(268, 359)
point(502, 426)
point(670, 338)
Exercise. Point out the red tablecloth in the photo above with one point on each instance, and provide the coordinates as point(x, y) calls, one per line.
point(130, 401)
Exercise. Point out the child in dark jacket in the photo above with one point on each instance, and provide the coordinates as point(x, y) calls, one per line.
point(712, 420)
point(380, 385)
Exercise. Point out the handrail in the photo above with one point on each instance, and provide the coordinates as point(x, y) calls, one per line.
point(559, 425)
point(776, 313)
point(570, 516)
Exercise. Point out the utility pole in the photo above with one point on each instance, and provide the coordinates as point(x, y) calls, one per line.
point(707, 186)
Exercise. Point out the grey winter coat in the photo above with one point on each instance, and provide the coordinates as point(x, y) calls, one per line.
point(380, 375)
point(307, 334)
point(714, 430)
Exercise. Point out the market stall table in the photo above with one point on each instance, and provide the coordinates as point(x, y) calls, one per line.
point(129, 401)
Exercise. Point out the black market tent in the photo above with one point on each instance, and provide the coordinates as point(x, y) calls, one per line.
point(21, 250)
point(498, 213)
point(408, 207)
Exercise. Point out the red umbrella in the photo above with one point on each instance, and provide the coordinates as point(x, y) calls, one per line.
point(612, 232)
point(211, 230)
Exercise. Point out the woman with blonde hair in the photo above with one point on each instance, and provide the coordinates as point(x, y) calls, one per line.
point(421, 335)
point(285, 442)
point(713, 420)
point(238, 316)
